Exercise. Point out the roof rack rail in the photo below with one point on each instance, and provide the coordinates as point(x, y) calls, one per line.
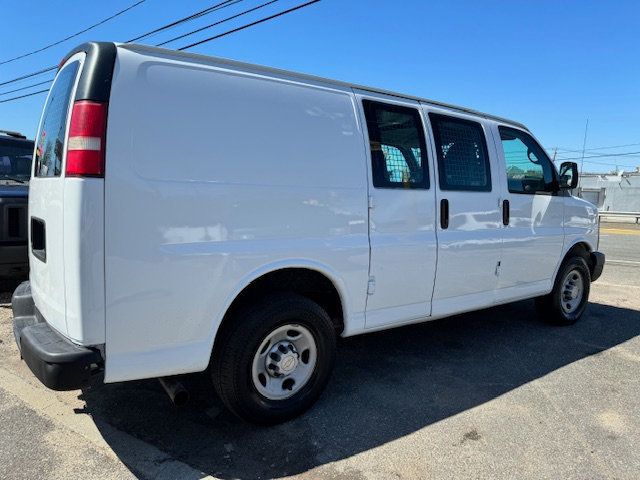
point(12, 134)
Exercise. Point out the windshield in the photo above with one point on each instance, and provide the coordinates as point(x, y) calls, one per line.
point(15, 160)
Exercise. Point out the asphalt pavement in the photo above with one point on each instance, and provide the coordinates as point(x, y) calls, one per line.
point(621, 243)
point(492, 394)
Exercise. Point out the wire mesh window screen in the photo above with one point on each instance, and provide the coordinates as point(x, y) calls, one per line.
point(396, 138)
point(397, 167)
point(463, 160)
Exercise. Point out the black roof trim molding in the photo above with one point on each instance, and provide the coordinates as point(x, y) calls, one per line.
point(97, 73)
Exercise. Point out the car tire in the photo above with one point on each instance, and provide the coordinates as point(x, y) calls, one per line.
point(568, 299)
point(274, 359)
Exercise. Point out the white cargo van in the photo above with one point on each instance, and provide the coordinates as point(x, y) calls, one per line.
point(189, 212)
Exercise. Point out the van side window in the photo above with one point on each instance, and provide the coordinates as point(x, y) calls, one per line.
point(463, 158)
point(529, 170)
point(50, 141)
point(398, 147)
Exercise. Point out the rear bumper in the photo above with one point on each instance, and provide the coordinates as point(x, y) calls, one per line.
point(54, 360)
point(597, 262)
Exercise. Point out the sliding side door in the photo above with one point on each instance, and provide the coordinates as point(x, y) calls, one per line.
point(401, 212)
point(469, 213)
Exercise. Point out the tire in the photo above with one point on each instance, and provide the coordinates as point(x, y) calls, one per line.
point(568, 299)
point(244, 352)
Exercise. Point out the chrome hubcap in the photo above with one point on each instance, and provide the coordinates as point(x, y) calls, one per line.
point(284, 362)
point(572, 291)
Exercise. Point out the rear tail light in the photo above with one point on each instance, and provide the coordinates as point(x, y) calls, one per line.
point(85, 147)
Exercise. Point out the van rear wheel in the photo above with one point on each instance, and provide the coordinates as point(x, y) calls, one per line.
point(568, 299)
point(275, 358)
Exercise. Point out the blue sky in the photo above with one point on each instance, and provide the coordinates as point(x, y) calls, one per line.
point(549, 64)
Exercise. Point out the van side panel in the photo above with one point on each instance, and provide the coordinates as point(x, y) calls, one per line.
point(212, 178)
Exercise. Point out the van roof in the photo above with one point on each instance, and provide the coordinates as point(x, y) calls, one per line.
point(303, 76)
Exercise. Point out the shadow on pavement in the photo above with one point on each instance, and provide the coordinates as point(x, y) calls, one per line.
point(386, 385)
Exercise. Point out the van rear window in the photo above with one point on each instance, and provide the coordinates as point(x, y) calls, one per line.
point(53, 128)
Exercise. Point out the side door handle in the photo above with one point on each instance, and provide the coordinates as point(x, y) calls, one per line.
point(444, 213)
point(505, 212)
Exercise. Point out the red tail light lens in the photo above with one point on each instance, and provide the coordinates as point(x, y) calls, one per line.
point(85, 147)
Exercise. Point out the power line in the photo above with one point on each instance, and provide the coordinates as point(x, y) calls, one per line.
point(29, 75)
point(262, 20)
point(626, 155)
point(217, 6)
point(597, 148)
point(58, 42)
point(23, 96)
point(611, 164)
point(604, 155)
point(217, 23)
point(188, 18)
point(27, 87)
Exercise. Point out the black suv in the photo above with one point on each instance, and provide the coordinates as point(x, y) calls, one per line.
point(16, 153)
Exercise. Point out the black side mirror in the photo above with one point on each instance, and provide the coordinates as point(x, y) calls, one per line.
point(568, 176)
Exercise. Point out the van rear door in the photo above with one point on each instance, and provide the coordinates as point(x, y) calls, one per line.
point(66, 200)
point(46, 198)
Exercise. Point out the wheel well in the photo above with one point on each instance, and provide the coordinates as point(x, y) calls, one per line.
point(582, 249)
point(309, 283)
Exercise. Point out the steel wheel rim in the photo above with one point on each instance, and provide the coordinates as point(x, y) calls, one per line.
point(284, 362)
point(572, 291)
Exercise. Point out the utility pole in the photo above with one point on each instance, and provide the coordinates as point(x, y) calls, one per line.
point(584, 145)
point(555, 152)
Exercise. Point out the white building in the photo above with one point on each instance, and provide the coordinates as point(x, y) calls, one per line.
point(611, 192)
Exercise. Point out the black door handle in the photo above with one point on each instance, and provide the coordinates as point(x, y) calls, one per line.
point(444, 213)
point(505, 212)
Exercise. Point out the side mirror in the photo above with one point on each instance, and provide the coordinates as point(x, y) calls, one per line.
point(568, 176)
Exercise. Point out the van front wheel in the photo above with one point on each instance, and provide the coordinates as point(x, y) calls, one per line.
point(570, 295)
point(274, 359)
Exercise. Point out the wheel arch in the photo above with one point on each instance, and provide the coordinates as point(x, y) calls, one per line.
point(582, 247)
point(313, 280)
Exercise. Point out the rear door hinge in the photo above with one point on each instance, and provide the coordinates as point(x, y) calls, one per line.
point(371, 286)
point(498, 269)
point(370, 202)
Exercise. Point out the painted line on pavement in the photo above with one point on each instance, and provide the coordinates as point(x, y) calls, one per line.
point(623, 262)
point(620, 231)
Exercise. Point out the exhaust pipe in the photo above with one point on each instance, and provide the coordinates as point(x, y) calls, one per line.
point(177, 393)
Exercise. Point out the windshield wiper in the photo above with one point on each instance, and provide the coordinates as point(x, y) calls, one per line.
point(15, 179)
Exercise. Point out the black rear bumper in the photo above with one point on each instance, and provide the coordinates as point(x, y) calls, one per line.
point(56, 361)
point(597, 262)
